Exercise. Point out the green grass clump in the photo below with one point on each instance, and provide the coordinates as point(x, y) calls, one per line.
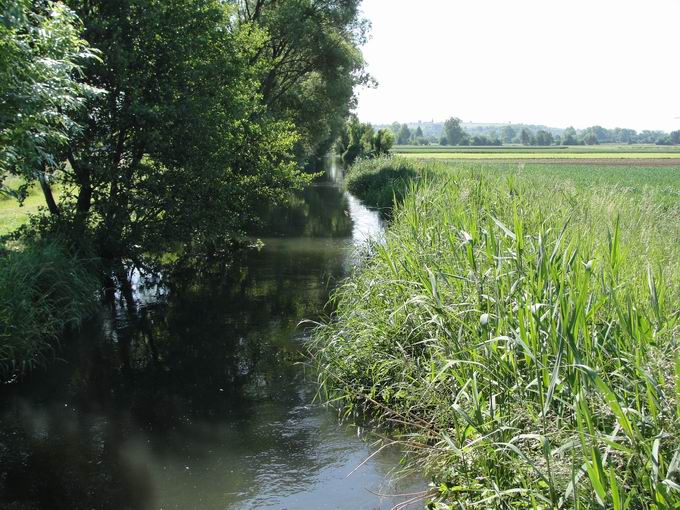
point(379, 181)
point(43, 290)
point(520, 327)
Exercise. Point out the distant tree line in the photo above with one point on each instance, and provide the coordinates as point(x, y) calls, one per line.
point(454, 132)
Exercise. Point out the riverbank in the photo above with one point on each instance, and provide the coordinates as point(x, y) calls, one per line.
point(197, 395)
point(520, 326)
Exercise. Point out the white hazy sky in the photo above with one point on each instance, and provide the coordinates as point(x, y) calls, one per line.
point(579, 62)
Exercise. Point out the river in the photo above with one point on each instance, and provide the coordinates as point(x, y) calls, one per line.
point(198, 397)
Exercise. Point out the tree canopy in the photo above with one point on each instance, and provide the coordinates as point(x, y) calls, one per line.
point(310, 64)
point(41, 59)
point(453, 131)
point(359, 140)
point(187, 116)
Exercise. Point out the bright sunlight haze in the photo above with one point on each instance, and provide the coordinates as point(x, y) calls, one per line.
point(578, 63)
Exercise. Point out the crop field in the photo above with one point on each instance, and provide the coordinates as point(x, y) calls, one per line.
point(543, 155)
point(616, 155)
point(556, 149)
point(519, 325)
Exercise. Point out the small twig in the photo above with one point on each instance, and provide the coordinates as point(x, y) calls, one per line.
point(371, 456)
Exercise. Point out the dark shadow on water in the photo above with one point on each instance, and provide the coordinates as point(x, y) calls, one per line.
point(195, 397)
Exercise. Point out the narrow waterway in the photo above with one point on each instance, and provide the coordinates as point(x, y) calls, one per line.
point(196, 397)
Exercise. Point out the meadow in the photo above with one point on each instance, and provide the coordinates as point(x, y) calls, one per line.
point(517, 329)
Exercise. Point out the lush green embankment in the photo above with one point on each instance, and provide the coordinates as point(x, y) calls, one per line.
point(520, 326)
point(43, 290)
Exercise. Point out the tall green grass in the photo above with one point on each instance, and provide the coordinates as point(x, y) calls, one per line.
point(380, 181)
point(519, 328)
point(43, 290)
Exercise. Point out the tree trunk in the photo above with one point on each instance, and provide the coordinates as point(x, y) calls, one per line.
point(49, 197)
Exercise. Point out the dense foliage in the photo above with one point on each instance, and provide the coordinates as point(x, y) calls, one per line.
point(41, 58)
point(180, 148)
point(313, 63)
point(520, 326)
point(157, 127)
point(359, 140)
point(196, 112)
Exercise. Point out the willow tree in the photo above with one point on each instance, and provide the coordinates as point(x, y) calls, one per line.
point(312, 64)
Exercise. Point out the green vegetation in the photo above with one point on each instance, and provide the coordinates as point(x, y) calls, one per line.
point(455, 132)
point(541, 155)
point(381, 181)
point(156, 115)
point(361, 141)
point(562, 149)
point(519, 326)
point(13, 215)
point(43, 290)
point(165, 125)
point(41, 55)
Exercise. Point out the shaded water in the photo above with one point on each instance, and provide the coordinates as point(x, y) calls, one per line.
point(195, 397)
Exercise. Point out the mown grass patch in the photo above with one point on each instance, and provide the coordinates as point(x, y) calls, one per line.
point(13, 215)
point(519, 326)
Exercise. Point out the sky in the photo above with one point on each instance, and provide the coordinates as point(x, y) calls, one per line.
point(615, 63)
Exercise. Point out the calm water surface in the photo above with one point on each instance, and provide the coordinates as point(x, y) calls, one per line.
point(195, 397)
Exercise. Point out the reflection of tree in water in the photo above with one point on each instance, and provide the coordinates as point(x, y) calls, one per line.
point(209, 345)
point(202, 348)
point(52, 461)
point(315, 212)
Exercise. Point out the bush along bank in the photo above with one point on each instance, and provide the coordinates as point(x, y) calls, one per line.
point(381, 181)
point(43, 291)
point(522, 332)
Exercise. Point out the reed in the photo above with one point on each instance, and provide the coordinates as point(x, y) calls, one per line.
point(43, 291)
point(520, 332)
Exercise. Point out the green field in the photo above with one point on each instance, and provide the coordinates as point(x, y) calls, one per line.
point(542, 155)
point(519, 152)
point(556, 149)
point(519, 326)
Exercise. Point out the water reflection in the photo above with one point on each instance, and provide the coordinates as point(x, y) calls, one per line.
point(194, 397)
